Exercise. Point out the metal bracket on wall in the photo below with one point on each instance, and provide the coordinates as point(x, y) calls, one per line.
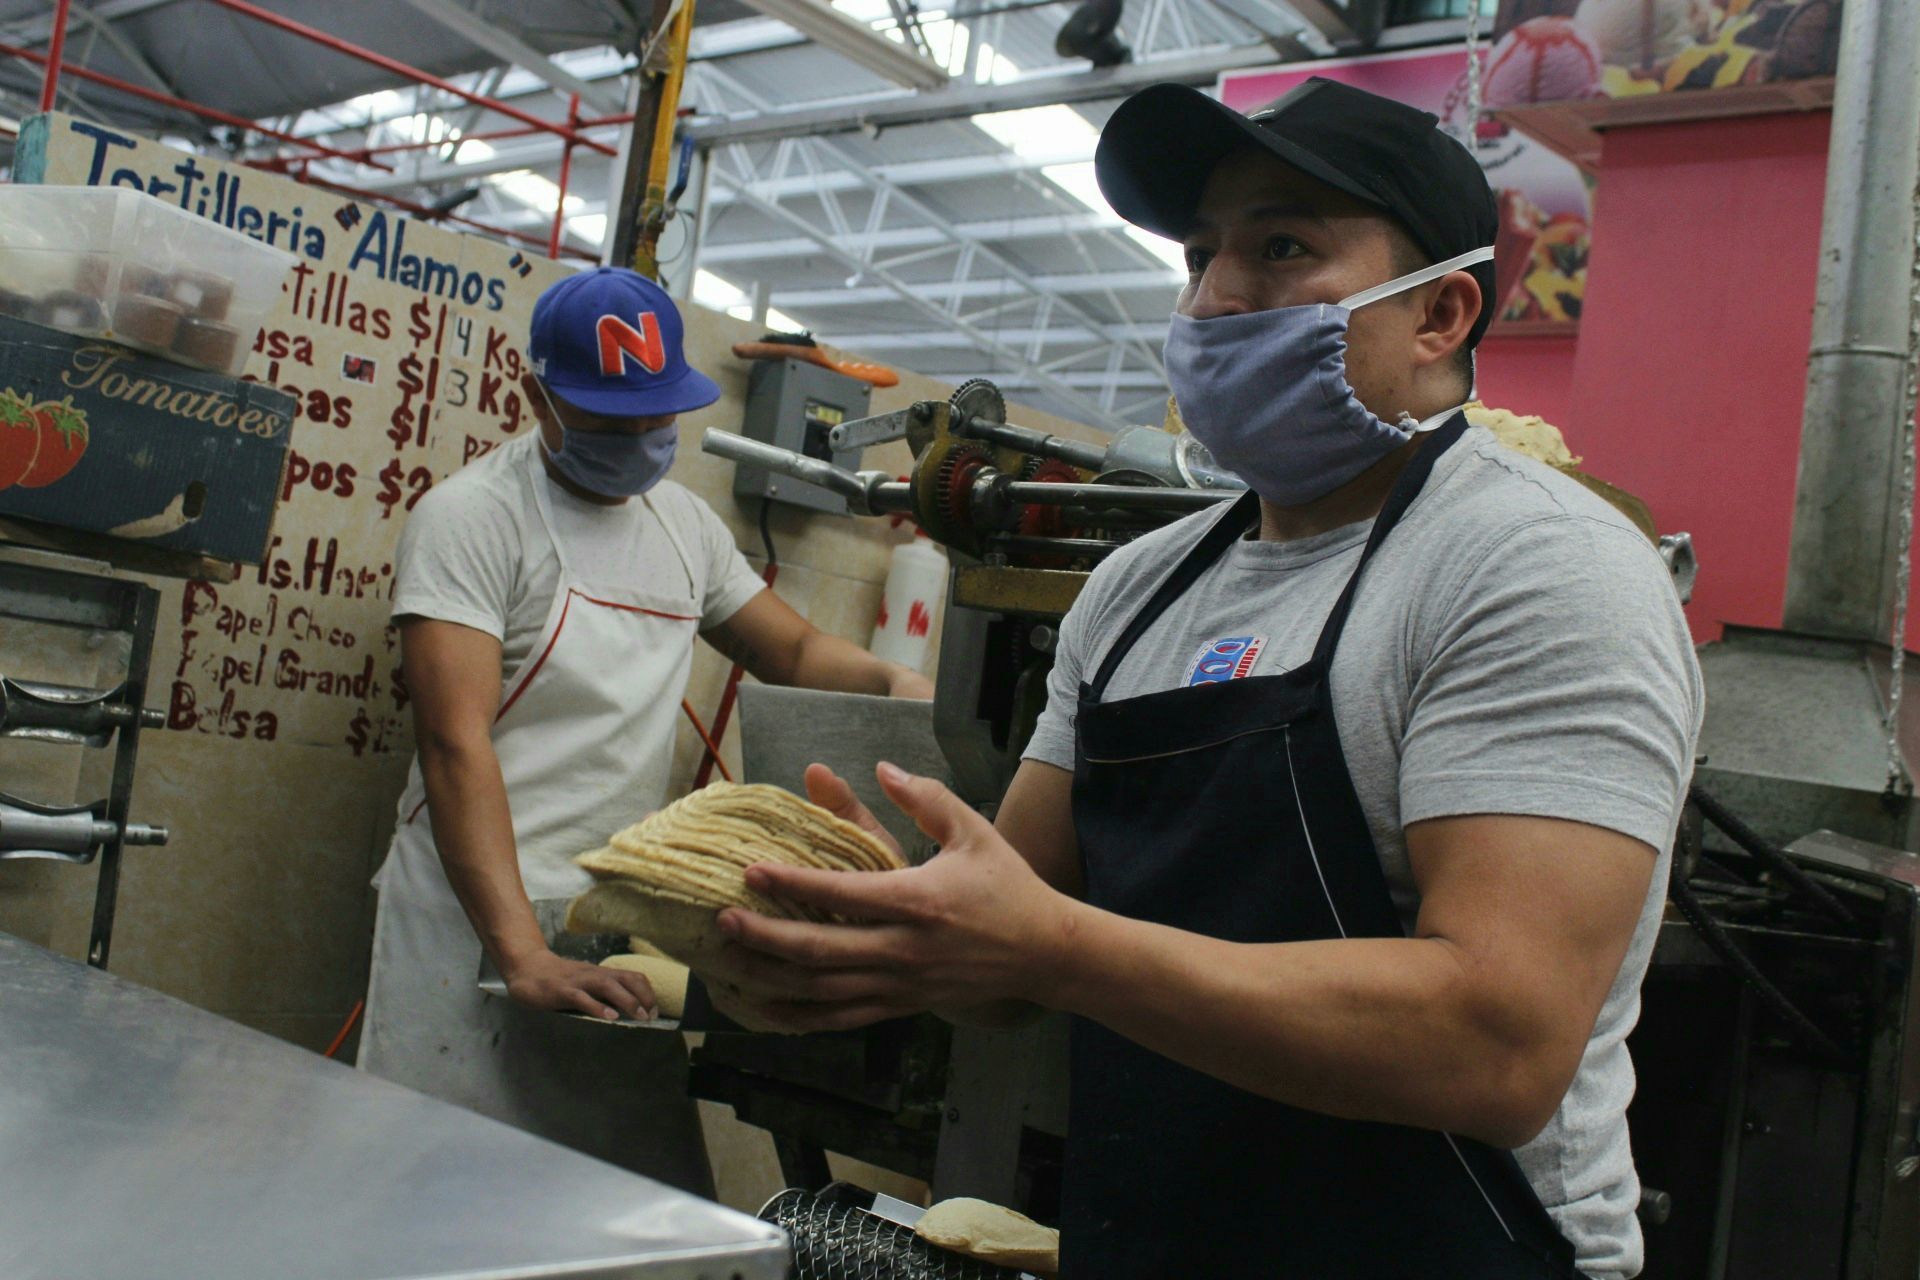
point(89, 601)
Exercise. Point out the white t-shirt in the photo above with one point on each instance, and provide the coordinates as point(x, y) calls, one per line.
point(476, 552)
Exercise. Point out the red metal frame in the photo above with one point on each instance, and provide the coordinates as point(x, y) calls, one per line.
point(566, 174)
point(56, 47)
point(571, 133)
point(393, 65)
point(181, 104)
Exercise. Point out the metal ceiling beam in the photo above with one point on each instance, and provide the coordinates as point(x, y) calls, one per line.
point(1126, 381)
point(1030, 338)
point(885, 111)
point(125, 48)
point(760, 249)
point(918, 173)
point(1345, 23)
point(39, 30)
point(867, 295)
point(854, 40)
point(503, 44)
point(889, 193)
point(981, 340)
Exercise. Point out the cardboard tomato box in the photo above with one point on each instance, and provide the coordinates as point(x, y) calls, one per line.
point(97, 437)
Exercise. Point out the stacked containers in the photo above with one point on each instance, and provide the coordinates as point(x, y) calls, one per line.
point(119, 264)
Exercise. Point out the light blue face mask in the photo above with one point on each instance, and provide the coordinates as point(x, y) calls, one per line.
point(1267, 392)
point(614, 464)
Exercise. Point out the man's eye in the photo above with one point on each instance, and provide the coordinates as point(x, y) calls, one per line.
point(1282, 247)
point(1197, 260)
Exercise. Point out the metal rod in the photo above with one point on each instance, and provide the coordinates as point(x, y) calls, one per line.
point(897, 110)
point(1115, 497)
point(56, 47)
point(483, 135)
point(396, 67)
point(566, 176)
point(182, 104)
point(1028, 544)
point(1088, 457)
point(1841, 562)
point(738, 449)
point(702, 201)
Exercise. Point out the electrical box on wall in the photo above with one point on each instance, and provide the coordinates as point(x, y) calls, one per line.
point(792, 404)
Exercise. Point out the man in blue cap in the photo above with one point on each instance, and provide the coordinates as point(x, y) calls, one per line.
point(548, 597)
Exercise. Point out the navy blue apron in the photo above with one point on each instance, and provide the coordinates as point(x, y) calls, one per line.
point(1226, 809)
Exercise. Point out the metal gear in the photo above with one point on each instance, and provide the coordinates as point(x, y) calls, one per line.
point(1047, 521)
point(978, 398)
point(956, 483)
point(941, 477)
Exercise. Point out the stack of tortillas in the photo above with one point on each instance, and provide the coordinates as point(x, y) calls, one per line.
point(667, 878)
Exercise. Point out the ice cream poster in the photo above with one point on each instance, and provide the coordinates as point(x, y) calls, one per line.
point(1565, 50)
point(1540, 253)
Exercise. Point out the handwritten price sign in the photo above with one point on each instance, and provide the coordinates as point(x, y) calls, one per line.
point(402, 344)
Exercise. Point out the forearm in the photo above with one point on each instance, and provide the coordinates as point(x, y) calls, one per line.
point(1382, 1029)
point(473, 831)
point(825, 661)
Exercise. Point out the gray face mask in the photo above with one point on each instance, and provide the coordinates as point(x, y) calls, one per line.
point(1267, 392)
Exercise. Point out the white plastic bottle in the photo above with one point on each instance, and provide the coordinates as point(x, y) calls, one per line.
point(910, 604)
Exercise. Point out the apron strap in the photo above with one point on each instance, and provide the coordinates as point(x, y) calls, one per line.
point(1405, 489)
point(1240, 516)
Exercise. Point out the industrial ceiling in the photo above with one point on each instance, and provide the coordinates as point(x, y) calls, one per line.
point(954, 230)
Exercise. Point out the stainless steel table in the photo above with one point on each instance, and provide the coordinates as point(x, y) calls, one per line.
point(141, 1137)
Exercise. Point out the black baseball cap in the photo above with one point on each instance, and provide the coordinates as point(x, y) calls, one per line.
point(1162, 143)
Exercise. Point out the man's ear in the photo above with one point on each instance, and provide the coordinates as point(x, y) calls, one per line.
point(1450, 316)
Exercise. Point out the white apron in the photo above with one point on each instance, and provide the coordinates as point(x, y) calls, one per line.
point(585, 737)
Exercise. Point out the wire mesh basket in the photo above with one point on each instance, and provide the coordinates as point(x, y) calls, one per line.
point(835, 1238)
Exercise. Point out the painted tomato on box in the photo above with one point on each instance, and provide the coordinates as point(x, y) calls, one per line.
point(63, 438)
point(19, 437)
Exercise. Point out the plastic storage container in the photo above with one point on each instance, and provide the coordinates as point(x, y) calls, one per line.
point(119, 264)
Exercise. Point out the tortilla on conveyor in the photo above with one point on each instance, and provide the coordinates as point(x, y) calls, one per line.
point(990, 1233)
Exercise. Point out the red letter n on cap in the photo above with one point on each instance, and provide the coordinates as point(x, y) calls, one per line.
point(618, 340)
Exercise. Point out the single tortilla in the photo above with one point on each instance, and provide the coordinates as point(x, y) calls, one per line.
point(681, 928)
point(991, 1233)
point(667, 978)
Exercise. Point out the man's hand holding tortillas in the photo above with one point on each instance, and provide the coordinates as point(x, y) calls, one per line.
point(972, 926)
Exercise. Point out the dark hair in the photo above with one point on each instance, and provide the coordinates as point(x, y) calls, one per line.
point(1408, 257)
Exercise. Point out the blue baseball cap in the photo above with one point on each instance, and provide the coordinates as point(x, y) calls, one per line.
point(610, 341)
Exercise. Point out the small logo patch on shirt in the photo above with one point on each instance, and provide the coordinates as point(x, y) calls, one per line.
point(1229, 658)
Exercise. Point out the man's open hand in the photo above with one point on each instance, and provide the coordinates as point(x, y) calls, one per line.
point(547, 981)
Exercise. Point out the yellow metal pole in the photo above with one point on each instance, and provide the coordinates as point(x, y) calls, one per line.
point(653, 208)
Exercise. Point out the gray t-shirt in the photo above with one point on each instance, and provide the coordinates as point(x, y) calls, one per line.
point(1516, 646)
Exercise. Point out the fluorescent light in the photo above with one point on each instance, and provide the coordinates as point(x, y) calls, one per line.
point(1061, 142)
point(591, 227)
point(710, 290)
point(717, 293)
point(530, 188)
point(848, 36)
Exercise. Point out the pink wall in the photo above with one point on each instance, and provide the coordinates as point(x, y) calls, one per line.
point(1528, 375)
point(1691, 361)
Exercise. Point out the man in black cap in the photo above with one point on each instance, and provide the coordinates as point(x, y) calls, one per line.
point(1345, 832)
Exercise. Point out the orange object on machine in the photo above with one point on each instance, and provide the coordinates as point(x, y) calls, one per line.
point(873, 374)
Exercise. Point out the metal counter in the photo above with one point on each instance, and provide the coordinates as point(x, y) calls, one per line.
point(142, 1137)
